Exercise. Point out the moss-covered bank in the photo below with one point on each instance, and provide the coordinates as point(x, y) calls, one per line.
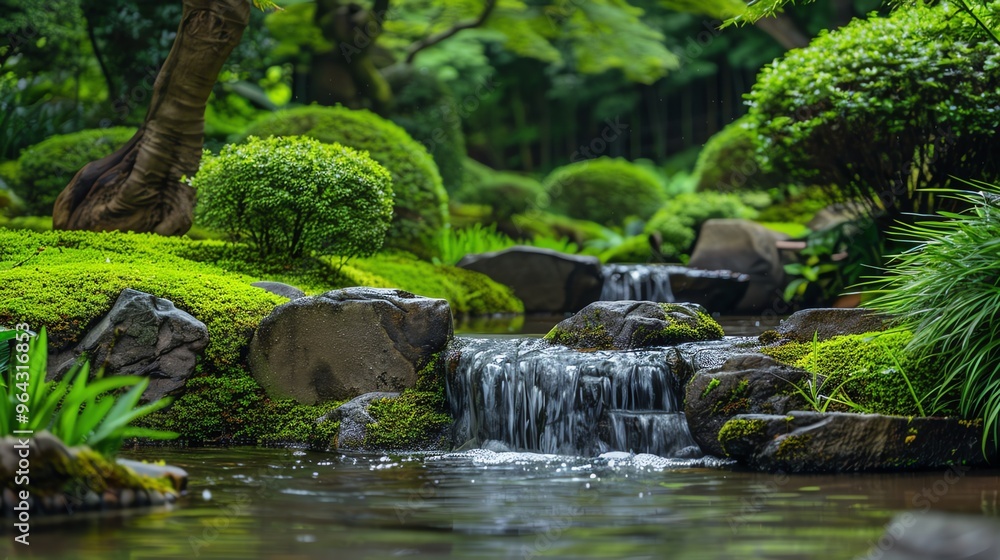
point(66, 281)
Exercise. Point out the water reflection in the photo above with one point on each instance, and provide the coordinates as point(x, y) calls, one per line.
point(291, 504)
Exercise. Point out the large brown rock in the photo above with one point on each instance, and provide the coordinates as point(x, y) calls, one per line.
point(546, 281)
point(142, 335)
point(809, 442)
point(344, 343)
point(744, 384)
point(747, 247)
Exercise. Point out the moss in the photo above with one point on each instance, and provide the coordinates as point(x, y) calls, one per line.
point(593, 336)
point(678, 331)
point(416, 419)
point(66, 281)
point(769, 337)
point(87, 471)
point(712, 384)
point(868, 364)
point(793, 447)
point(740, 428)
point(735, 401)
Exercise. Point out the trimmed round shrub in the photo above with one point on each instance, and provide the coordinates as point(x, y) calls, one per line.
point(421, 205)
point(679, 220)
point(426, 109)
point(728, 162)
point(505, 193)
point(47, 167)
point(604, 190)
point(883, 107)
point(291, 195)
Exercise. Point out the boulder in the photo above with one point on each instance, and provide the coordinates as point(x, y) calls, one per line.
point(720, 291)
point(744, 383)
point(747, 247)
point(936, 535)
point(717, 290)
point(281, 289)
point(546, 281)
point(344, 343)
point(142, 335)
point(354, 420)
point(813, 442)
point(626, 325)
point(825, 324)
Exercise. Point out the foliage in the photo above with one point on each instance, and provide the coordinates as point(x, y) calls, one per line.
point(677, 222)
point(505, 193)
point(457, 243)
point(421, 205)
point(872, 372)
point(836, 259)
point(604, 190)
point(74, 409)
point(426, 109)
point(945, 288)
point(905, 101)
point(47, 167)
point(728, 162)
point(292, 195)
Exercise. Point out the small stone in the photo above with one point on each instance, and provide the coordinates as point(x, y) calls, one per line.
point(110, 500)
point(59, 504)
point(91, 500)
point(126, 498)
point(141, 498)
point(156, 498)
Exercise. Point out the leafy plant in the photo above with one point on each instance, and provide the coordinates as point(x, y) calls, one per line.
point(905, 102)
point(420, 209)
point(77, 410)
point(814, 389)
point(834, 260)
point(292, 195)
point(946, 289)
point(457, 243)
point(604, 190)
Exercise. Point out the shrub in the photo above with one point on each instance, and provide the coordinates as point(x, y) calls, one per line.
point(946, 289)
point(417, 107)
point(47, 167)
point(421, 206)
point(728, 162)
point(505, 193)
point(679, 220)
point(289, 195)
point(883, 107)
point(604, 190)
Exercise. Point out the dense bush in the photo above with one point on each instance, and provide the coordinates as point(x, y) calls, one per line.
point(728, 162)
point(47, 167)
point(604, 190)
point(291, 195)
point(883, 107)
point(679, 220)
point(421, 205)
point(505, 193)
point(426, 109)
point(946, 289)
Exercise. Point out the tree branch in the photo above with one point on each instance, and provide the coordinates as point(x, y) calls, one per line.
point(783, 30)
point(422, 44)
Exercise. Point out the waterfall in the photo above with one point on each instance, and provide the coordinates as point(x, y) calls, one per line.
point(641, 282)
point(533, 396)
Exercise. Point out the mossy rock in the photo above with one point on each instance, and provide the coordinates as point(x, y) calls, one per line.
point(624, 325)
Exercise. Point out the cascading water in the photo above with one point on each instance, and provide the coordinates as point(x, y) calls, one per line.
point(533, 396)
point(640, 282)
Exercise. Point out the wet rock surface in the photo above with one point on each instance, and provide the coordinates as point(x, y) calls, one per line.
point(934, 535)
point(827, 323)
point(348, 342)
point(281, 289)
point(142, 335)
point(626, 325)
point(546, 281)
point(813, 442)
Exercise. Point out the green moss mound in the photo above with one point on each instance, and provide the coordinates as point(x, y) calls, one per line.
point(421, 206)
point(604, 190)
point(47, 167)
point(875, 369)
point(294, 195)
point(66, 281)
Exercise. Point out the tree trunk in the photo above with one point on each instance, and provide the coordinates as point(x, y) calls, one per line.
point(139, 188)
